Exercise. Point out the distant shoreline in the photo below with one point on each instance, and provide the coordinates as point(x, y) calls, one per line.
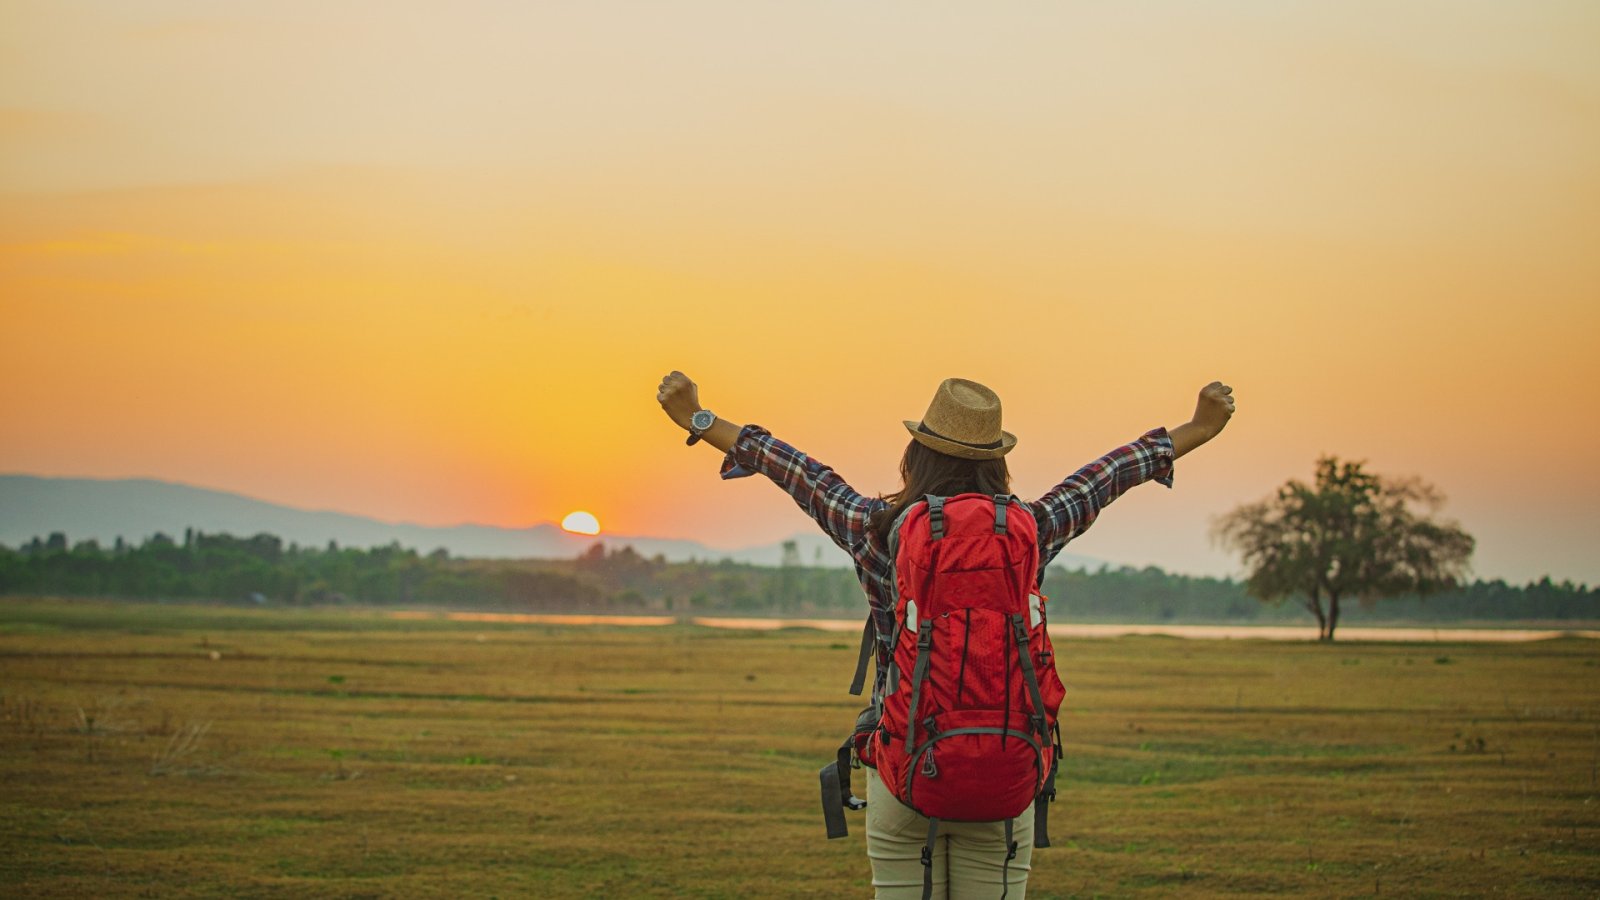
point(1402, 634)
point(105, 612)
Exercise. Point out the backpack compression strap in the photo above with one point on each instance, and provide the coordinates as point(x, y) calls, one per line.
point(1020, 630)
point(1047, 795)
point(918, 676)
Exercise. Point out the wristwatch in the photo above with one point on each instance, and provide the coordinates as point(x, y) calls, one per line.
point(699, 423)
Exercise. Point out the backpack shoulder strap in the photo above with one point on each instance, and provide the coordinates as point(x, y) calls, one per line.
point(869, 637)
point(935, 517)
point(837, 795)
point(900, 521)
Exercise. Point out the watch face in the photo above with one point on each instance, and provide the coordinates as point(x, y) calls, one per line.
point(703, 419)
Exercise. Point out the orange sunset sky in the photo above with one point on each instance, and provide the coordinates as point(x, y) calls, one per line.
point(427, 262)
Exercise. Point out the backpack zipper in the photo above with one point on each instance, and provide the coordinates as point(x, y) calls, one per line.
point(961, 680)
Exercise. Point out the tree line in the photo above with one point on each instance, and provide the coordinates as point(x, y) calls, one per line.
point(262, 569)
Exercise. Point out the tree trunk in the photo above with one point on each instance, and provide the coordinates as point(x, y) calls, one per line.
point(1333, 614)
point(1314, 603)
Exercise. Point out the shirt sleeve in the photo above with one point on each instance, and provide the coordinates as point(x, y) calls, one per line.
point(1071, 506)
point(825, 497)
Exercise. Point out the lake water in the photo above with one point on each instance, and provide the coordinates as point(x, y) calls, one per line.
point(1060, 630)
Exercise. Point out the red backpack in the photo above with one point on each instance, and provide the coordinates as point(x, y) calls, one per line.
point(965, 727)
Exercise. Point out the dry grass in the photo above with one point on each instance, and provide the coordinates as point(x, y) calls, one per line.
point(181, 744)
point(334, 755)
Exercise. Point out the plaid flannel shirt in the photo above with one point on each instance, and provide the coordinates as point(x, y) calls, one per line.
point(1063, 513)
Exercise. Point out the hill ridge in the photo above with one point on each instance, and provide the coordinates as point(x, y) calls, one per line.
point(104, 509)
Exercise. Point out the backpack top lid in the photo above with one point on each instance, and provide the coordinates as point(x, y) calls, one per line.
point(970, 551)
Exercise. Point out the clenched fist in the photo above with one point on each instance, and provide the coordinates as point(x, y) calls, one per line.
point(1214, 408)
point(679, 398)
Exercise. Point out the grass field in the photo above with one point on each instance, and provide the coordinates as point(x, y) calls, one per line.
point(185, 751)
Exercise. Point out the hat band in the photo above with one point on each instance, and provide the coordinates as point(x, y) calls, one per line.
point(992, 445)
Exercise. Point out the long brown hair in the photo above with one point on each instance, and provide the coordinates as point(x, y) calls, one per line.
point(926, 471)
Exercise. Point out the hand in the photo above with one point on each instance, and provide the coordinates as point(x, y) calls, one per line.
point(679, 398)
point(1214, 408)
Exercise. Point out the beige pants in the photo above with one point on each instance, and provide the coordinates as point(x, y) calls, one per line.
point(968, 857)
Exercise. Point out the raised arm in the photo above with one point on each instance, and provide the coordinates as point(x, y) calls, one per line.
point(680, 400)
point(1211, 414)
point(817, 489)
point(1072, 506)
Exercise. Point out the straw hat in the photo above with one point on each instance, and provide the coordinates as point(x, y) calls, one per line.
point(963, 420)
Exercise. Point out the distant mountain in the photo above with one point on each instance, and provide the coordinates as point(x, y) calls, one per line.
point(135, 509)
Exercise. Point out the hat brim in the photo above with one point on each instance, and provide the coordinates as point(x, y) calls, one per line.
point(954, 448)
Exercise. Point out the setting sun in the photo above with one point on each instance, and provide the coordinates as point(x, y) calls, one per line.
point(581, 522)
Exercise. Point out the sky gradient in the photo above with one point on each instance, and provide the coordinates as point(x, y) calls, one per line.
point(428, 262)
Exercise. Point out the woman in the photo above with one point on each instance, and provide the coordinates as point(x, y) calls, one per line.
point(957, 447)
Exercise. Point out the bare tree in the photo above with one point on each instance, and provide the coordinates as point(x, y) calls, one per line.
point(1350, 534)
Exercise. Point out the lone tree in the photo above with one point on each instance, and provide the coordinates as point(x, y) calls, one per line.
point(1351, 534)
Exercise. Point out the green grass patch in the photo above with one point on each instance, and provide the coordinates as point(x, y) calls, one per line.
point(339, 754)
